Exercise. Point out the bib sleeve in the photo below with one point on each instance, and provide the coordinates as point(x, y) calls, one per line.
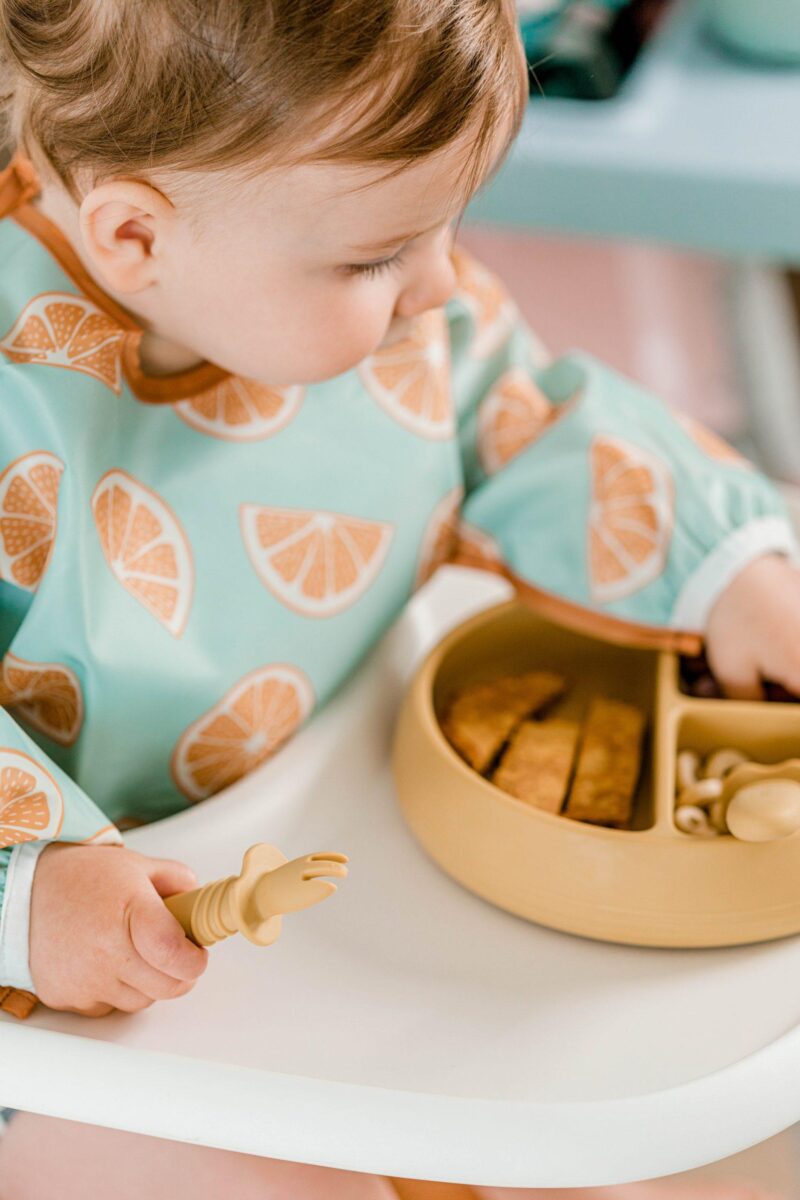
point(603, 507)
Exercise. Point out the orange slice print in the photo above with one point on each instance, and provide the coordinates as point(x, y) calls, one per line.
point(710, 443)
point(439, 539)
point(410, 378)
point(317, 563)
point(61, 330)
point(31, 804)
point(474, 548)
point(492, 310)
point(145, 547)
point(247, 726)
point(239, 410)
point(46, 696)
point(630, 518)
point(28, 504)
point(511, 417)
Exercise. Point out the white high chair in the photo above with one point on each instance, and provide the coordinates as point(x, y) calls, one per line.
point(407, 1028)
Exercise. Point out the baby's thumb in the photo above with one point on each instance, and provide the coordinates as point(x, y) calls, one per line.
point(168, 876)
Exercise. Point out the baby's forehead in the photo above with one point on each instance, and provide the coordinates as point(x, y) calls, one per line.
point(362, 205)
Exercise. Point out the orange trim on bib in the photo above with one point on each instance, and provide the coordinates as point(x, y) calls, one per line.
point(19, 183)
point(18, 186)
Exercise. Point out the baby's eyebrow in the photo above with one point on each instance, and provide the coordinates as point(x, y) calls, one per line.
point(389, 243)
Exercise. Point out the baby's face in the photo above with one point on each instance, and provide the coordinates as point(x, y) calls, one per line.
point(299, 274)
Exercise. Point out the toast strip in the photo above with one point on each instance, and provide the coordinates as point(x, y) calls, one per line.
point(537, 765)
point(609, 763)
point(483, 716)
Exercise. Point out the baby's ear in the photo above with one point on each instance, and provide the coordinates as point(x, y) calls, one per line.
point(124, 223)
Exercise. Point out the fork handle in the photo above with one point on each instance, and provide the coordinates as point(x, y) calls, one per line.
point(223, 907)
point(205, 914)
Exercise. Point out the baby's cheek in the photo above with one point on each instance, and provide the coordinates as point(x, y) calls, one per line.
point(291, 335)
point(344, 338)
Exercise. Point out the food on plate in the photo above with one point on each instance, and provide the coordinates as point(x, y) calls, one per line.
point(537, 765)
point(483, 716)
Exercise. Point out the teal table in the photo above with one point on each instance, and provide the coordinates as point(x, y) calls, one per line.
point(699, 149)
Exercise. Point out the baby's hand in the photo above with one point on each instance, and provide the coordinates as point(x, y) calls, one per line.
point(754, 630)
point(100, 935)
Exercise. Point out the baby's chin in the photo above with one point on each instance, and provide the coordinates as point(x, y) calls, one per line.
point(303, 377)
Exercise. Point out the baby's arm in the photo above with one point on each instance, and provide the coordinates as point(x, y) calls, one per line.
point(598, 498)
point(81, 924)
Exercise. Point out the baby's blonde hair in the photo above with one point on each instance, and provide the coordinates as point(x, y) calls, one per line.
point(97, 88)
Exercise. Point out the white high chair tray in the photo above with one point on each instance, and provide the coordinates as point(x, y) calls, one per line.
point(405, 1027)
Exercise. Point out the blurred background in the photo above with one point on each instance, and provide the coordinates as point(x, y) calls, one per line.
point(650, 213)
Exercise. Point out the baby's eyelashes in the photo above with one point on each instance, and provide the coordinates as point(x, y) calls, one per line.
point(377, 267)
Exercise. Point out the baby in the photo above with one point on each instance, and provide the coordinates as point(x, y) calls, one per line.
point(248, 391)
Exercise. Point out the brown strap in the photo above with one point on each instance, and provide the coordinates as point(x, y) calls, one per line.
point(587, 621)
point(16, 1002)
point(19, 183)
point(416, 1189)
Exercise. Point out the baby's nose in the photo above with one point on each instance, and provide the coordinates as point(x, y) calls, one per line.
point(432, 288)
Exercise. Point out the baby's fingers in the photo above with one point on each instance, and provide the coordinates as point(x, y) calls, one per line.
point(155, 984)
point(740, 687)
point(737, 673)
point(784, 668)
point(168, 876)
point(127, 999)
point(161, 942)
point(92, 1010)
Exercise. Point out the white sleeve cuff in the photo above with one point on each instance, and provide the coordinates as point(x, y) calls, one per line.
point(15, 916)
point(763, 535)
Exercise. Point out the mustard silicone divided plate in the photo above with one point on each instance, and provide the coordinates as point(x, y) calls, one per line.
point(651, 885)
